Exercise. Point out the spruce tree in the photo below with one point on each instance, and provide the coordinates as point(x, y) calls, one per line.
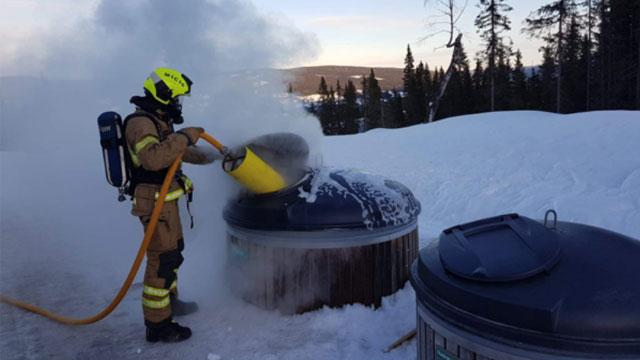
point(503, 82)
point(427, 83)
point(326, 110)
point(550, 21)
point(548, 81)
point(602, 57)
point(491, 23)
point(409, 81)
point(534, 91)
point(351, 112)
point(419, 97)
point(456, 100)
point(573, 87)
point(623, 51)
point(340, 110)
point(585, 65)
point(479, 98)
point(373, 103)
point(518, 84)
point(397, 110)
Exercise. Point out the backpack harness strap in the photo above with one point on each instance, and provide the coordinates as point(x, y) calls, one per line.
point(140, 175)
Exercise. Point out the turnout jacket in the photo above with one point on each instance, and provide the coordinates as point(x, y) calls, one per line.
point(153, 146)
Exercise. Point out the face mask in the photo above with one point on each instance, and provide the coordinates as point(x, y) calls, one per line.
point(174, 110)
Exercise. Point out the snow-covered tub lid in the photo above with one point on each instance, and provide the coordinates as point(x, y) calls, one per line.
point(327, 199)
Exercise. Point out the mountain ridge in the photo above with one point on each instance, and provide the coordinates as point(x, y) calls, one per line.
point(305, 80)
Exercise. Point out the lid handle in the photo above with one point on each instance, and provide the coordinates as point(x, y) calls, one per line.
point(555, 219)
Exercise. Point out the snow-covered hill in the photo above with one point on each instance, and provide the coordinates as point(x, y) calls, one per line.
point(67, 244)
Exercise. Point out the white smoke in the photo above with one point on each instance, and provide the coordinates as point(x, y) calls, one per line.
point(57, 209)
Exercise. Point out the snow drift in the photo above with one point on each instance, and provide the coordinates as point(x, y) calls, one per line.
point(585, 166)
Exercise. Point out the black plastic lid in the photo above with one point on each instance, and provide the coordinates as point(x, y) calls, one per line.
point(588, 303)
point(502, 248)
point(327, 199)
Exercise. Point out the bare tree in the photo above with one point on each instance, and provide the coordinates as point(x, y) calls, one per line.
point(447, 15)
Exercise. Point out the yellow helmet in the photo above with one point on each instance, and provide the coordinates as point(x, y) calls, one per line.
point(165, 84)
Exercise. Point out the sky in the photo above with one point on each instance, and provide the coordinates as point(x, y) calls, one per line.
point(353, 32)
point(376, 32)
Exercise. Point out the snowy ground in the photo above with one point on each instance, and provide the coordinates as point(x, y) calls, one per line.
point(66, 243)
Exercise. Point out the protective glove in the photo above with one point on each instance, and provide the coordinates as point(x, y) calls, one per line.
point(210, 154)
point(192, 133)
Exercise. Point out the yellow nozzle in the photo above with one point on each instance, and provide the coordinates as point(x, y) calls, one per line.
point(253, 173)
point(256, 175)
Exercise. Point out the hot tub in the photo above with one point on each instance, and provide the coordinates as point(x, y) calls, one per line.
point(336, 237)
point(510, 287)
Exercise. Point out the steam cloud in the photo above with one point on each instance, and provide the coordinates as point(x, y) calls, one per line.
point(57, 209)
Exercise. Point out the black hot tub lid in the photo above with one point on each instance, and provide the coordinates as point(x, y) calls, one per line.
point(327, 199)
point(502, 248)
point(572, 288)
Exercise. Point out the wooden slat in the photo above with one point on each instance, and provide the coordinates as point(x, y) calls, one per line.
point(452, 347)
point(466, 354)
point(431, 343)
point(278, 276)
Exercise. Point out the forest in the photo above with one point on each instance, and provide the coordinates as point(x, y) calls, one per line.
point(590, 61)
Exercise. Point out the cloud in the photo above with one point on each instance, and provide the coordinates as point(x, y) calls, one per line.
point(128, 37)
point(364, 22)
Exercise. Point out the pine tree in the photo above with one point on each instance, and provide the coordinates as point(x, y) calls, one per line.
point(290, 88)
point(491, 23)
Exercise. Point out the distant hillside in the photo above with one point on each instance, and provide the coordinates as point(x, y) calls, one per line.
point(305, 80)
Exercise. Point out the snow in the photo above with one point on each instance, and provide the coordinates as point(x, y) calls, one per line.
point(393, 202)
point(66, 243)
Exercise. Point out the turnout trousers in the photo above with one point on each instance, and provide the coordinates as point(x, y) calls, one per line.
point(164, 254)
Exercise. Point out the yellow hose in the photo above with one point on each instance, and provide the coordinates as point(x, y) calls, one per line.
point(151, 228)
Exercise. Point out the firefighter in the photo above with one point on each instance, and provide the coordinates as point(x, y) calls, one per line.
point(153, 145)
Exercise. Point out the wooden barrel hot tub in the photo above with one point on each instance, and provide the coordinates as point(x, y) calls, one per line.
point(336, 237)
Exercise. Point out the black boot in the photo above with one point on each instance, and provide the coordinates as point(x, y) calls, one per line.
point(167, 331)
point(180, 308)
